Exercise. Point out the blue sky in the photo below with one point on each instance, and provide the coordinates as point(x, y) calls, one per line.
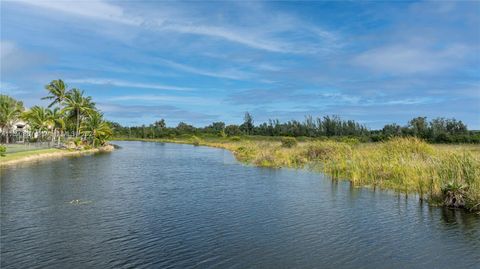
point(374, 62)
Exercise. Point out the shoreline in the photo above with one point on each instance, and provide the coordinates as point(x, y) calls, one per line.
point(267, 157)
point(57, 153)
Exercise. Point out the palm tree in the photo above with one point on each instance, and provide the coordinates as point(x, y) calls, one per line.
point(58, 92)
point(39, 119)
point(10, 111)
point(96, 129)
point(78, 106)
point(58, 120)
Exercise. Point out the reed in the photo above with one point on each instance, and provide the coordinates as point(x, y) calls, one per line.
point(440, 174)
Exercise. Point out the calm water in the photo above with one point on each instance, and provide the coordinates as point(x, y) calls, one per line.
point(153, 205)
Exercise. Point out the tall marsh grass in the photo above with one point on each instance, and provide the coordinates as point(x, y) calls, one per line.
point(407, 165)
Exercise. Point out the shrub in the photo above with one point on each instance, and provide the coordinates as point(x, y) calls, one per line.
point(288, 142)
point(235, 138)
point(196, 141)
point(349, 140)
point(77, 141)
point(3, 150)
point(323, 150)
point(403, 147)
point(454, 194)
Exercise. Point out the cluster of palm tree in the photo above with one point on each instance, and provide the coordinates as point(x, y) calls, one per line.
point(70, 114)
point(10, 112)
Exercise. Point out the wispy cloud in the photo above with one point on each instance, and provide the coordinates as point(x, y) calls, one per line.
point(285, 96)
point(230, 35)
point(363, 60)
point(14, 59)
point(190, 100)
point(264, 37)
point(93, 9)
point(229, 74)
point(11, 89)
point(5, 86)
point(137, 114)
point(405, 59)
point(127, 84)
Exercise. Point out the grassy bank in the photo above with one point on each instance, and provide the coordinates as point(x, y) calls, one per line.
point(41, 154)
point(448, 175)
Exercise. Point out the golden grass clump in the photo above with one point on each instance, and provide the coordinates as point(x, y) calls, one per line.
point(407, 165)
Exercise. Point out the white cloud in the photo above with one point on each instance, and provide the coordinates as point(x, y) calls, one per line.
point(263, 36)
point(404, 59)
point(121, 83)
point(190, 100)
point(13, 58)
point(93, 9)
point(230, 74)
point(5, 86)
point(230, 35)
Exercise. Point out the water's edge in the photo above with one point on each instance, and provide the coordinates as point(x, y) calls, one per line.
point(55, 155)
point(414, 194)
point(165, 205)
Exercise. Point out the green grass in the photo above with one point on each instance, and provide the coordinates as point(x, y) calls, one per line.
point(406, 165)
point(24, 154)
point(12, 148)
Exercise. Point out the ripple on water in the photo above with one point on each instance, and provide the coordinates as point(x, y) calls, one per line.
point(164, 205)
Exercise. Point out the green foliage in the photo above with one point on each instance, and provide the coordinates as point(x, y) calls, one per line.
point(233, 130)
point(288, 142)
point(77, 141)
point(446, 174)
point(72, 112)
point(39, 118)
point(247, 127)
point(439, 130)
point(96, 129)
point(196, 141)
point(77, 107)
point(57, 92)
point(10, 112)
point(349, 140)
point(3, 150)
point(235, 138)
point(216, 128)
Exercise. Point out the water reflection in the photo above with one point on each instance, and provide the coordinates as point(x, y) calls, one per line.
point(163, 205)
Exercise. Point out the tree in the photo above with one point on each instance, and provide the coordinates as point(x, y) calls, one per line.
point(183, 128)
point(233, 130)
point(10, 111)
point(39, 119)
point(455, 127)
point(215, 128)
point(96, 129)
point(247, 126)
point(392, 130)
point(419, 127)
point(160, 124)
point(58, 120)
point(57, 90)
point(78, 107)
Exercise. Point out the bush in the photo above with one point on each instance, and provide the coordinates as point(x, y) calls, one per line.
point(3, 150)
point(235, 138)
point(325, 150)
point(454, 194)
point(196, 141)
point(349, 140)
point(77, 141)
point(408, 146)
point(288, 142)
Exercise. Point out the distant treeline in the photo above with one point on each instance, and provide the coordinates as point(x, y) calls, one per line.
point(439, 130)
